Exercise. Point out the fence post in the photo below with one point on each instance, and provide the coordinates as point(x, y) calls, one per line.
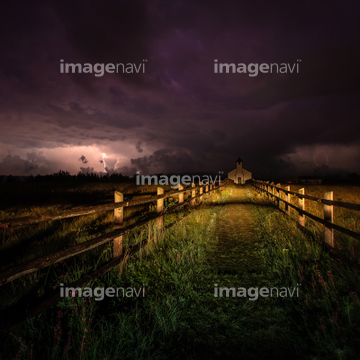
point(193, 194)
point(160, 207)
point(201, 192)
point(329, 216)
point(273, 192)
point(267, 189)
point(302, 207)
point(181, 196)
point(279, 195)
point(118, 222)
point(287, 199)
point(207, 188)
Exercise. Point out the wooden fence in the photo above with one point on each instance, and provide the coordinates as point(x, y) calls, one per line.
point(197, 193)
point(275, 193)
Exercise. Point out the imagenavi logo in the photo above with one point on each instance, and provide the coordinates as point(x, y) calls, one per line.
point(253, 69)
point(253, 293)
point(99, 69)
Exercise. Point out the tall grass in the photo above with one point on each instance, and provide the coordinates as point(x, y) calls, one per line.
point(328, 312)
point(180, 318)
point(120, 327)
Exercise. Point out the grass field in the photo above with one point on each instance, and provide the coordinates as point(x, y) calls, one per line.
point(235, 239)
point(22, 244)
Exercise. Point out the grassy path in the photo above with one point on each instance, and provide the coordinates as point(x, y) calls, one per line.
point(254, 245)
point(237, 239)
point(254, 329)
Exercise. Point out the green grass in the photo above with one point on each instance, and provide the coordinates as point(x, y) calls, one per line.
point(242, 245)
point(163, 266)
point(328, 312)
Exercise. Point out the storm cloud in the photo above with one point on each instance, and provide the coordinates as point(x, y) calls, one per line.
point(179, 116)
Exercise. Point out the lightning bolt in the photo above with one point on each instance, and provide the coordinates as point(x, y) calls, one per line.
point(104, 156)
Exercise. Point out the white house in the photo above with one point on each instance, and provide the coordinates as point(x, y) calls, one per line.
point(239, 175)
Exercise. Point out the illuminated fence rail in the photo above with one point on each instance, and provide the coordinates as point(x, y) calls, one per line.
point(197, 193)
point(275, 193)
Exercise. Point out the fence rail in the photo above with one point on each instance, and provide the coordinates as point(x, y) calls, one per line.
point(88, 210)
point(116, 235)
point(274, 191)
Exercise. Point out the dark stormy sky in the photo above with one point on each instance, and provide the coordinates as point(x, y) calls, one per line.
point(179, 116)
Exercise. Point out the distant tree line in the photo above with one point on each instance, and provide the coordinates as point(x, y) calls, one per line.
point(66, 176)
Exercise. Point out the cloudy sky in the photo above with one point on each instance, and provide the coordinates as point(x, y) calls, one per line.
point(179, 116)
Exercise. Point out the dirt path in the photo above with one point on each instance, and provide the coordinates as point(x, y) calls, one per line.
point(255, 329)
point(237, 237)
